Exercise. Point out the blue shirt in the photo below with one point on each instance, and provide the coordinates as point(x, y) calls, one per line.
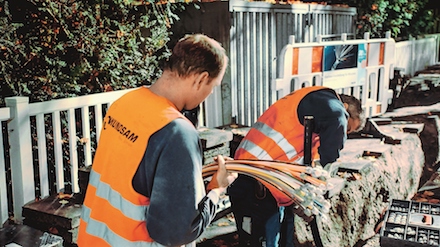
point(330, 122)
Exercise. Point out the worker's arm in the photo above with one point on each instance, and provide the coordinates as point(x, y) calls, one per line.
point(170, 175)
point(332, 136)
point(330, 121)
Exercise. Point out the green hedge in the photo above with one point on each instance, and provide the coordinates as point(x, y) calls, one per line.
point(63, 48)
point(404, 18)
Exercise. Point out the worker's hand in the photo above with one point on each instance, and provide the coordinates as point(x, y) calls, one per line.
point(222, 178)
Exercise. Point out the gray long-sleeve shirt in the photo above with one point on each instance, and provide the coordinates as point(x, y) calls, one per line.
point(170, 175)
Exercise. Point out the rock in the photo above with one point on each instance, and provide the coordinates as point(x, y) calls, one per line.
point(357, 208)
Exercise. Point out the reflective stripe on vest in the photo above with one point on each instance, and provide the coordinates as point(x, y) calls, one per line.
point(113, 212)
point(279, 135)
point(276, 137)
point(101, 230)
point(104, 190)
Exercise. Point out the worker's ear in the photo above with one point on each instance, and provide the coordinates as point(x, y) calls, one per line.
point(346, 108)
point(201, 79)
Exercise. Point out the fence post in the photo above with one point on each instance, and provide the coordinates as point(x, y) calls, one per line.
point(22, 171)
point(386, 95)
point(4, 212)
point(413, 56)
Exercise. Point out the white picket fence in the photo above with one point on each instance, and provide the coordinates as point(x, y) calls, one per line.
point(259, 30)
point(414, 55)
point(69, 141)
point(27, 144)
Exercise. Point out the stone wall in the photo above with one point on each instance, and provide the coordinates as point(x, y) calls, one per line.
point(357, 208)
point(372, 173)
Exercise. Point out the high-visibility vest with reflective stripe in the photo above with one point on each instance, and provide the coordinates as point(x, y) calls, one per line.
point(279, 135)
point(113, 212)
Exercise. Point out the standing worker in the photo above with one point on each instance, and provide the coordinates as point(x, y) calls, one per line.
point(278, 134)
point(146, 186)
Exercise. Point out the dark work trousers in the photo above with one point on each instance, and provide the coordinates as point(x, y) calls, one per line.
point(250, 199)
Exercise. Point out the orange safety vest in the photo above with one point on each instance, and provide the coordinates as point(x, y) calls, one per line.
point(279, 135)
point(113, 213)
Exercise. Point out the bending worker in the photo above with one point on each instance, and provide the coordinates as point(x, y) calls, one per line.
point(146, 186)
point(278, 134)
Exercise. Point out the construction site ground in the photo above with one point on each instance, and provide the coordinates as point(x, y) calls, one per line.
point(410, 98)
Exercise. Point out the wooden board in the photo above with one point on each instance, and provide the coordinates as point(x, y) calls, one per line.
point(20, 234)
point(55, 214)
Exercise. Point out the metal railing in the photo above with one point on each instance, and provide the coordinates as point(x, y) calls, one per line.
point(259, 31)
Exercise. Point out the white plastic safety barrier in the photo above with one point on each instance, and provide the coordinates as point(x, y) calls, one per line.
point(362, 68)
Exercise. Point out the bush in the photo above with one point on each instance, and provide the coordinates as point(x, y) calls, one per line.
point(403, 18)
point(63, 48)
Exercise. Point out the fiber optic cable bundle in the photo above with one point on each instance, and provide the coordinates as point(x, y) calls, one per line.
point(304, 185)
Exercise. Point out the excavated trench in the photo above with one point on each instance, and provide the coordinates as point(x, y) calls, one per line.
point(376, 170)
